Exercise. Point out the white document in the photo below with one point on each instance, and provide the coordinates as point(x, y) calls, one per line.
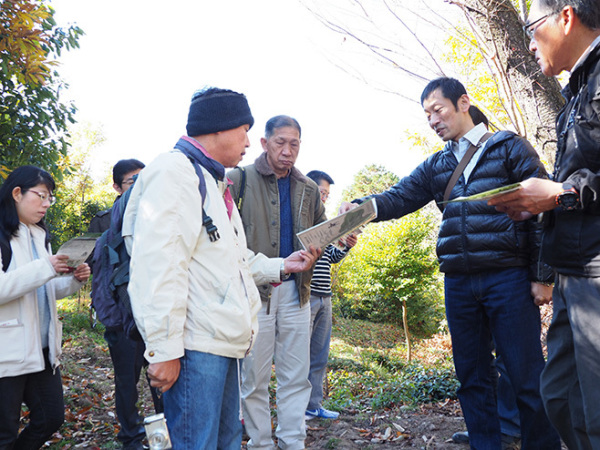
point(320, 236)
point(78, 250)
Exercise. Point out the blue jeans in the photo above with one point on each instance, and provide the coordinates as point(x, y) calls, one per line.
point(497, 304)
point(508, 411)
point(203, 406)
point(320, 337)
point(128, 359)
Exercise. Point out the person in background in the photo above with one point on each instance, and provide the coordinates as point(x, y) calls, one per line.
point(123, 172)
point(192, 286)
point(493, 277)
point(30, 330)
point(565, 35)
point(127, 355)
point(320, 310)
point(278, 202)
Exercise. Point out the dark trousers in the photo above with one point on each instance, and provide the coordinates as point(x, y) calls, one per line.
point(128, 359)
point(571, 379)
point(42, 393)
point(497, 305)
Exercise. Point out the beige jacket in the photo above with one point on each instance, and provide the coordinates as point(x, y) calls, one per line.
point(186, 291)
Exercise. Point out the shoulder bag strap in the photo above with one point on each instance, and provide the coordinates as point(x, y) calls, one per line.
point(462, 164)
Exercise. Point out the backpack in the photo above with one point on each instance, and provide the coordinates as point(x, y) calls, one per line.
point(110, 264)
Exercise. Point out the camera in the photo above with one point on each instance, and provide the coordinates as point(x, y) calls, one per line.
point(157, 432)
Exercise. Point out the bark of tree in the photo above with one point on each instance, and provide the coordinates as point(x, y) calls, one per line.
point(532, 99)
point(406, 332)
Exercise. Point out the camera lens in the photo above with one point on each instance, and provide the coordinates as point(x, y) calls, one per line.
point(157, 440)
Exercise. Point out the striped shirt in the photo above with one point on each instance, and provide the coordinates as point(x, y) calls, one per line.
point(320, 285)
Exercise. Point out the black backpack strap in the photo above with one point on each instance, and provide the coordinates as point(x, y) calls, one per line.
point(6, 252)
point(240, 200)
point(211, 228)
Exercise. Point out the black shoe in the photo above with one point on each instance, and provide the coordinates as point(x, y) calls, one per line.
point(461, 437)
point(510, 442)
point(135, 446)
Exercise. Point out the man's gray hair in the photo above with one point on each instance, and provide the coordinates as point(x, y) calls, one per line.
point(588, 11)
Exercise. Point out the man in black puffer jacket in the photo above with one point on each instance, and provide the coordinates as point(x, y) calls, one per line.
point(494, 280)
point(566, 36)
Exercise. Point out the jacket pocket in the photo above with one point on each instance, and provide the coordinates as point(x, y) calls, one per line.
point(14, 338)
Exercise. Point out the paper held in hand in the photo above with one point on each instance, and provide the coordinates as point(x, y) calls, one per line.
point(78, 249)
point(335, 229)
point(486, 195)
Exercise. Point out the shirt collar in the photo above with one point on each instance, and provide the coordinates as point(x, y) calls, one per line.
point(473, 136)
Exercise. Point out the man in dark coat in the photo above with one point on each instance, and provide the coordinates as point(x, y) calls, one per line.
point(565, 35)
point(494, 281)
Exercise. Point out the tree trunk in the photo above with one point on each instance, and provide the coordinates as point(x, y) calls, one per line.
point(406, 333)
point(532, 99)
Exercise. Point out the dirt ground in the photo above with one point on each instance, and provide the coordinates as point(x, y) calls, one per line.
point(91, 420)
point(427, 427)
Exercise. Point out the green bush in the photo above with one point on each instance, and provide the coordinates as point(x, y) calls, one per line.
point(393, 262)
point(418, 384)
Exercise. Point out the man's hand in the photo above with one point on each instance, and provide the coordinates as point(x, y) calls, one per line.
point(535, 196)
point(346, 206)
point(542, 294)
point(82, 272)
point(351, 240)
point(164, 374)
point(301, 260)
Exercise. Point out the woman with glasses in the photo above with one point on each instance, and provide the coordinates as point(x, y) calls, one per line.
point(31, 281)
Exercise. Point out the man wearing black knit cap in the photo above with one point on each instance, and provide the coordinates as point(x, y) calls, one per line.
point(193, 281)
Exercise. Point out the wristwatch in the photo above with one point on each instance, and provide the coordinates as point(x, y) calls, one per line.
point(568, 199)
point(282, 275)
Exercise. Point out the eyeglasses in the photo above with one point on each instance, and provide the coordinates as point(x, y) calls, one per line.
point(529, 31)
point(324, 194)
point(43, 197)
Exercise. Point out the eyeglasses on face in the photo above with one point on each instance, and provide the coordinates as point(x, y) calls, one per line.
point(530, 27)
point(44, 197)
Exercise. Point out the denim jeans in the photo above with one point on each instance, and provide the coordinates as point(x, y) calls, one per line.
point(571, 378)
point(203, 406)
point(42, 393)
point(508, 412)
point(497, 304)
point(128, 359)
point(320, 337)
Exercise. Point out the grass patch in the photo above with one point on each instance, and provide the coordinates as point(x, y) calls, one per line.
point(368, 368)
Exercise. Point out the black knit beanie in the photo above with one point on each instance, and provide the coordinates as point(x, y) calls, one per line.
point(215, 109)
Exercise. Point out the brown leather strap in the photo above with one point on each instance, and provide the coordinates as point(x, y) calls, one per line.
point(462, 164)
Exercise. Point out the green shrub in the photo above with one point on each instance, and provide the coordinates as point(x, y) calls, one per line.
point(393, 262)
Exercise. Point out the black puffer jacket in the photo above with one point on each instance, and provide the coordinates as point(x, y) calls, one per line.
point(474, 237)
point(572, 238)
